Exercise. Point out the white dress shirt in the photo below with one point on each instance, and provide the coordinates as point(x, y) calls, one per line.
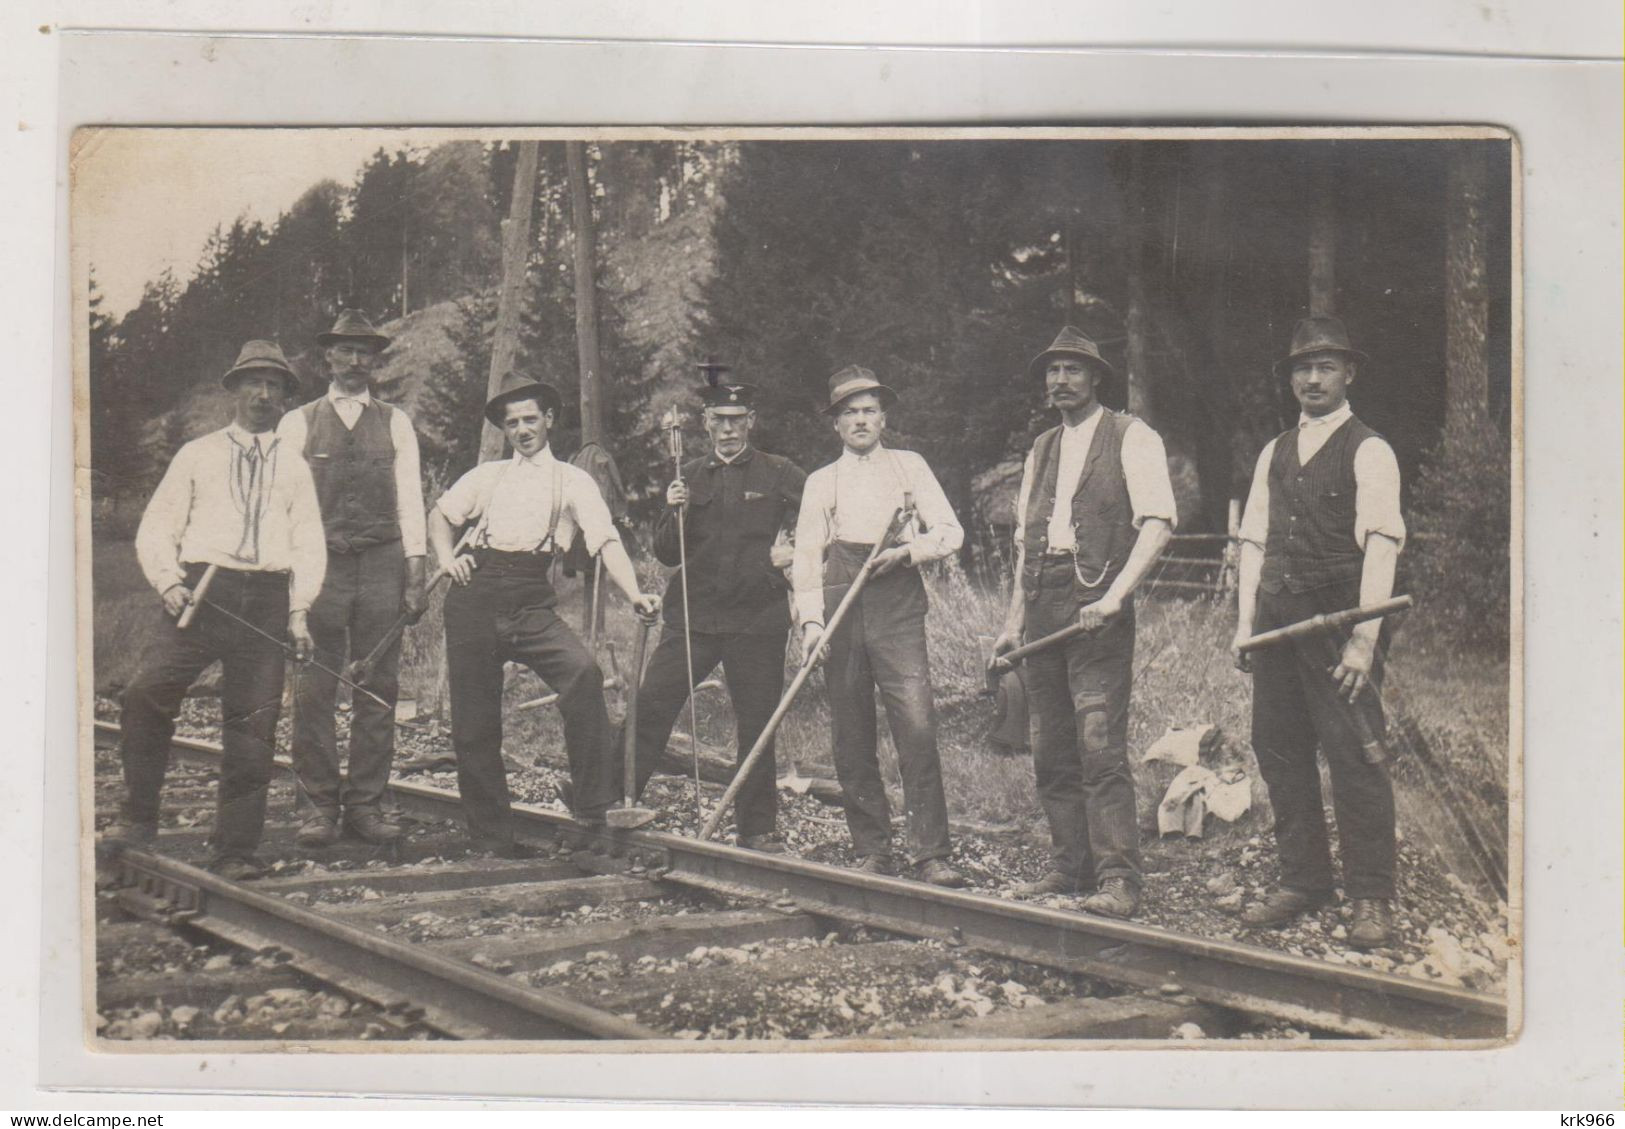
point(1145, 471)
point(1376, 481)
point(853, 499)
point(408, 480)
point(512, 499)
point(218, 504)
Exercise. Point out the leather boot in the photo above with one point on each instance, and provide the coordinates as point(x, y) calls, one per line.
point(1373, 925)
point(1117, 897)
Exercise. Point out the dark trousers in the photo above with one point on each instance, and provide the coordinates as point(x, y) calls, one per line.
point(1079, 697)
point(251, 669)
point(881, 645)
point(360, 600)
point(1296, 709)
point(754, 668)
point(503, 616)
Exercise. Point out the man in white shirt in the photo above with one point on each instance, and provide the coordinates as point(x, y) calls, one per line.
point(1095, 511)
point(845, 509)
point(237, 500)
point(1322, 532)
point(363, 455)
point(501, 608)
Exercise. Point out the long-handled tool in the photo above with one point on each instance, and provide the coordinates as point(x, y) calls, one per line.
point(1319, 628)
point(674, 440)
point(189, 612)
point(629, 815)
point(593, 604)
point(288, 649)
point(361, 669)
point(899, 521)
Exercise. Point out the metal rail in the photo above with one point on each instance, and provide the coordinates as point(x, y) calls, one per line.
point(1293, 989)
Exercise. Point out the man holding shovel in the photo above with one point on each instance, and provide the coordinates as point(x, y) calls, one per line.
point(738, 499)
point(846, 509)
point(363, 455)
point(1095, 510)
point(1321, 533)
point(232, 542)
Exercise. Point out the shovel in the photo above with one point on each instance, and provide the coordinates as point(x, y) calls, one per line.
point(629, 816)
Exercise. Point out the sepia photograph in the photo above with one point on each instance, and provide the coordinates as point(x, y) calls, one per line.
point(799, 589)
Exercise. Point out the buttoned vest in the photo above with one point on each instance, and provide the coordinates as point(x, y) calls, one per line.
point(354, 469)
point(1311, 541)
point(1102, 513)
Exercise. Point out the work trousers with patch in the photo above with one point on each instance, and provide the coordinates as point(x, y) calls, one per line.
point(1078, 694)
point(251, 679)
point(881, 645)
point(506, 614)
point(1295, 710)
point(360, 601)
point(753, 666)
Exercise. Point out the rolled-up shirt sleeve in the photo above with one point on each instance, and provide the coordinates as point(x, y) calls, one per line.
point(307, 540)
point(408, 484)
point(943, 534)
point(465, 499)
point(1376, 493)
point(812, 535)
point(1255, 519)
point(588, 509)
point(1145, 469)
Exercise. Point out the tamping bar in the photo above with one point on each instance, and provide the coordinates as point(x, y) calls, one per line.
point(1326, 623)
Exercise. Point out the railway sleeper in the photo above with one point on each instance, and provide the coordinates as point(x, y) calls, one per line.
point(521, 899)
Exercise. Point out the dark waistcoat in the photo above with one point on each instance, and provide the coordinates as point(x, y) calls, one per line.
point(354, 470)
point(1102, 514)
point(1311, 540)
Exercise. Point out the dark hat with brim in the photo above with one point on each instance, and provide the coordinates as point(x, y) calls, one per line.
point(265, 355)
point(352, 325)
point(1071, 342)
point(852, 380)
point(1318, 335)
point(518, 387)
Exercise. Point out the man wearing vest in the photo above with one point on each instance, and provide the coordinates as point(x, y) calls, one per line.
point(1322, 532)
point(738, 499)
point(1095, 511)
point(845, 509)
point(241, 503)
point(363, 454)
point(501, 608)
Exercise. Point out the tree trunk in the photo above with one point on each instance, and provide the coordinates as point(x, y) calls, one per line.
point(592, 399)
point(1466, 294)
point(1323, 242)
point(515, 253)
point(1135, 322)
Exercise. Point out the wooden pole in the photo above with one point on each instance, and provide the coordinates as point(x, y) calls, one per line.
point(515, 253)
point(1466, 307)
point(1136, 323)
point(592, 399)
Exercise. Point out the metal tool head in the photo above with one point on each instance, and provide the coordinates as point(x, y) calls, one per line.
point(629, 818)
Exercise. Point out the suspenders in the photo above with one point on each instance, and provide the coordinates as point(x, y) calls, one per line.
point(481, 536)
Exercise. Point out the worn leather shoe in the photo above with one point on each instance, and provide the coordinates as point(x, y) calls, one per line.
point(1052, 884)
point(1116, 897)
point(769, 844)
point(1373, 925)
point(936, 872)
point(876, 864)
point(371, 827)
point(236, 869)
point(318, 831)
point(137, 835)
point(1283, 905)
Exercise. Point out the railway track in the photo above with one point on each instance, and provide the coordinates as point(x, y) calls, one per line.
point(645, 935)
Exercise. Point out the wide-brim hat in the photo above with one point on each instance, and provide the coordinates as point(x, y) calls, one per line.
point(352, 325)
point(262, 355)
point(853, 379)
point(1071, 342)
point(1318, 335)
point(516, 386)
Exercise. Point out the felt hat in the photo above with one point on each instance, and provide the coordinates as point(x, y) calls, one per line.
point(854, 379)
point(352, 325)
point(1318, 335)
point(1071, 342)
point(262, 355)
point(516, 386)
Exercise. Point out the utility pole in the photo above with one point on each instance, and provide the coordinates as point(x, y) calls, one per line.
point(592, 393)
point(515, 252)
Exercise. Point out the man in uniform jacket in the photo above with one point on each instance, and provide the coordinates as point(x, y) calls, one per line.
point(239, 500)
point(845, 510)
point(363, 454)
point(736, 500)
point(1322, 532)
point(1095, 511)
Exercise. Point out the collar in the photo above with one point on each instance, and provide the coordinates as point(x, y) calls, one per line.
point(740, 459)
point(364, 397)
point(245, 439)
point(1092, 417)
point(541, 458)
point(1330, 419)
point(849, 455)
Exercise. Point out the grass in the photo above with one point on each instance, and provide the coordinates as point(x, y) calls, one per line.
point(1451, 697)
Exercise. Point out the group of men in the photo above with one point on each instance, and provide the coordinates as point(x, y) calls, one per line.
point(312, 530)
